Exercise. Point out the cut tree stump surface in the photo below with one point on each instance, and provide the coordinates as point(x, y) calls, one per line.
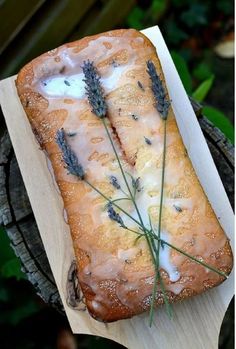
point(17, 216)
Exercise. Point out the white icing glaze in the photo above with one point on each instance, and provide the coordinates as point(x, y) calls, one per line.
point(50, 169)
point(65, 215)
point(165, 262)
point(103, 265)
point(66, 86)
point(73, 85)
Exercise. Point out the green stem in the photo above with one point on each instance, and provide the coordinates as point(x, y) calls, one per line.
point(149, 236)
point(162, 185)
point(133, 231)
point(120, 199)
point(195, 259)
point(157, 264)
point(109, 200)
point(167, 304)
point(130, 192)
point(154, 290)
point(123, 173)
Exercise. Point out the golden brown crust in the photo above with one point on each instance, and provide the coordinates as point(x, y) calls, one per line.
point(116, 276)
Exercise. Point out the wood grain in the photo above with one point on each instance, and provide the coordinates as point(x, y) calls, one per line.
point(49, 28)
point(196, 321)
point(12, 24)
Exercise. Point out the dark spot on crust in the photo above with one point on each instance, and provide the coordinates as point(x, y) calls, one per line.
point(114, 63)
point(128, 261)
point(62, 70)
point(140, 85)
point(178, 209)
point(71, 134)
point(147, 140)
point(135, 117)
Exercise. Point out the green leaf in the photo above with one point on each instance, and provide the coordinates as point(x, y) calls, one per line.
point(12, 268)
point(200, 93)
point(135, 18)
point(6, 252)
point(202, 71)
point(158, 5)
point(220, 120)
point(227, 7)
point(183, 71)
point(4, 297)
point(196, 15)
point(174, 34)
point(14, 315)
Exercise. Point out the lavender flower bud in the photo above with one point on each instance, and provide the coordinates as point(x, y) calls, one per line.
point(94, 89)
point(69, 156)
point(162, 104)
point(114, 216)
point(114, 182)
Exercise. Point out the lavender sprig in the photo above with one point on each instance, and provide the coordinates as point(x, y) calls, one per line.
point(114, 216)
point(136, 184)
point(96, 94)
point(162, 104)
point(94, 89)
point(114, 182)
point(74, 168)
point(69, 157)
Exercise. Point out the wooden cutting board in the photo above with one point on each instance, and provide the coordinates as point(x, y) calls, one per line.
point(196, 322)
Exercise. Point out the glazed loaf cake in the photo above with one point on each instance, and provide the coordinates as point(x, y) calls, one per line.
point(115, 269)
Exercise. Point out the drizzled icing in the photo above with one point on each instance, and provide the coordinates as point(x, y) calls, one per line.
point(89, 142)
point(68, 86)
point(73, 85)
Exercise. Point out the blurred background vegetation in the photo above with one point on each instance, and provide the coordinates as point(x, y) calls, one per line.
point(200, 36)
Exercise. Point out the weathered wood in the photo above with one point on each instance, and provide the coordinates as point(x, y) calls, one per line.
point(5, 151)
point(12, 24)
point(17, 217)
point(41, 25)
point(110, 16)
point(49, 28)
point(222, 152)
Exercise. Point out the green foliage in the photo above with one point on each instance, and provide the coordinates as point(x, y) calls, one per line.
point(174, 33)
point(183, 71)
point(19, 310)
point(195, 15)
point(16, 302)
point(220, 120)
point(9, 263)
point(202, 71)
point(225, 6)
point(135, 18)
point(201, 92)
point(13, 306)
point(158, 5)
point(12, 269)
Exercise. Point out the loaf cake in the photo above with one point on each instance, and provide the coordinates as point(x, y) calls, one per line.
point(115, 266)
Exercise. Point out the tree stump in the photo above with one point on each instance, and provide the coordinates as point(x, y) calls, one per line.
point(17, 216)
